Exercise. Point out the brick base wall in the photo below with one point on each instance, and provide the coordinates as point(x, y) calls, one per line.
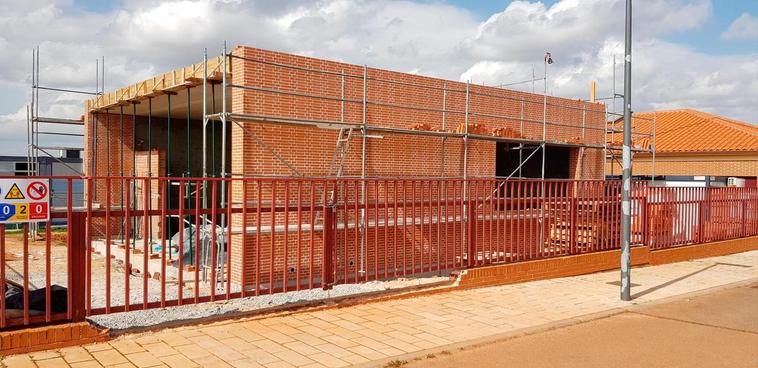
point(714, 249)
point(549, 268)
point(50, 337)
point(597, 262)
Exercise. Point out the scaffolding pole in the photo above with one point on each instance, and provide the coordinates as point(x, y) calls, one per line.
point(205, 158)
point(364, 133)
point(133, 200)
point(223, 168)
point(465, 209)
point(521, 132)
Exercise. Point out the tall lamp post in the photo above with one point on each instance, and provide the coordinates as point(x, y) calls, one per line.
point(626, 203)
point(548, 60)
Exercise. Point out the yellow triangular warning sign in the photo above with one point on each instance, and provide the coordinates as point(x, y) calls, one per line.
point(14, 193)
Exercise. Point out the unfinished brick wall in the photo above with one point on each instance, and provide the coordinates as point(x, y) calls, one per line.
point(105, 150)
point(309, 151)
point(111, 154)
point(289, 150)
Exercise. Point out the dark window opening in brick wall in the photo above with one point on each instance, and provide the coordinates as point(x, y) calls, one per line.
point(557, 161)
point(507, 161)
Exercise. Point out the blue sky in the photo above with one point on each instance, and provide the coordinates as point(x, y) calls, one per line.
point(700, 54)
point(706, 38)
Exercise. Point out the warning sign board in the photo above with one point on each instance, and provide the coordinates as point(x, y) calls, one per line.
point(14, 193)
point(24, 200)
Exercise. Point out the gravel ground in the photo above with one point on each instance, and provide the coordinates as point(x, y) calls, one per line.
point(157, 316)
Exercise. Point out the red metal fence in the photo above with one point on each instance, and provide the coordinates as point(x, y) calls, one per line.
point(140, 243)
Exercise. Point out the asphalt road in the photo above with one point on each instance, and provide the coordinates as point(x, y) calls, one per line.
point(717, 329)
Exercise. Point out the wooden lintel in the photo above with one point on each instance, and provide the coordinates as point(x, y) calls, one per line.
point(216, 77)
point(178, 87)
point(154, 93)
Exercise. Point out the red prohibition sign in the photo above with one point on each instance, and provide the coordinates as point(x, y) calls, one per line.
point(36, 190)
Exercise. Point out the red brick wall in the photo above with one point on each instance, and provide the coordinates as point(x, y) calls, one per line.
point(310, 150)
point(107, 148)
point(713, 249)
point(298, 150)
point(549, 268)
point(50, 337)
point(743, 164)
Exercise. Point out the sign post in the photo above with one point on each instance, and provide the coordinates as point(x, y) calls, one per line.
point(24, 200)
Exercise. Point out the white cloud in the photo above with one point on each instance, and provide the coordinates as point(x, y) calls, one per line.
point(744, 27)
point(145, 37)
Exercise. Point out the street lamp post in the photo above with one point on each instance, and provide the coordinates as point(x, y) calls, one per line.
point(626, 203)
point(548, 60)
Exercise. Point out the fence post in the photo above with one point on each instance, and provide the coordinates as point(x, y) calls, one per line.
point(703, 203)
point(744, 217)
point(471, 229)
point(327, 277)
point(572, 223)
point(644, 210)
point(77, 248)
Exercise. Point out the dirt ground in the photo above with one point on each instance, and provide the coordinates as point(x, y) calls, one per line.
point(719, 329)
point(59, 270)
point(14, 252)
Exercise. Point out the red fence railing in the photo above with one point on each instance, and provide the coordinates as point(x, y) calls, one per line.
point(139, 243)
point(687, 215)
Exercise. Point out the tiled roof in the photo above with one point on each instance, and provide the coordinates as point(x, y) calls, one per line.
point(688, 130)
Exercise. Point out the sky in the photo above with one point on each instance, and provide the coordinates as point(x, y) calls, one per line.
point(697, 54)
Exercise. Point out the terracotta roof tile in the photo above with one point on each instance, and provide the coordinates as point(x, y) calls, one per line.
point(688, 130)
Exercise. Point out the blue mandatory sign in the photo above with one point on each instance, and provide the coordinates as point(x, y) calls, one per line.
point(7, 211)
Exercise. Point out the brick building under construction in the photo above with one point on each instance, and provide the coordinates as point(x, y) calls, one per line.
point(270, 114)
point(261, 172)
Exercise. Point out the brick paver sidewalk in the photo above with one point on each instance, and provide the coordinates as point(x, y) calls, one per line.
point(370, 332)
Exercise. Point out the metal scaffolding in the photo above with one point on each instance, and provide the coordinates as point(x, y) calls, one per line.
point(35, 122)
point(38, 126)
point(614, 131)
point(366, 128)
point(589, 137)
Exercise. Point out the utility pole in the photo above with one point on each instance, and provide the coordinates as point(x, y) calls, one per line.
point(626, 203)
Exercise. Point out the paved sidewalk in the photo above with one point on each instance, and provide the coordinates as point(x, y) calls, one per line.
point(379, 331)
point(713, 328)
